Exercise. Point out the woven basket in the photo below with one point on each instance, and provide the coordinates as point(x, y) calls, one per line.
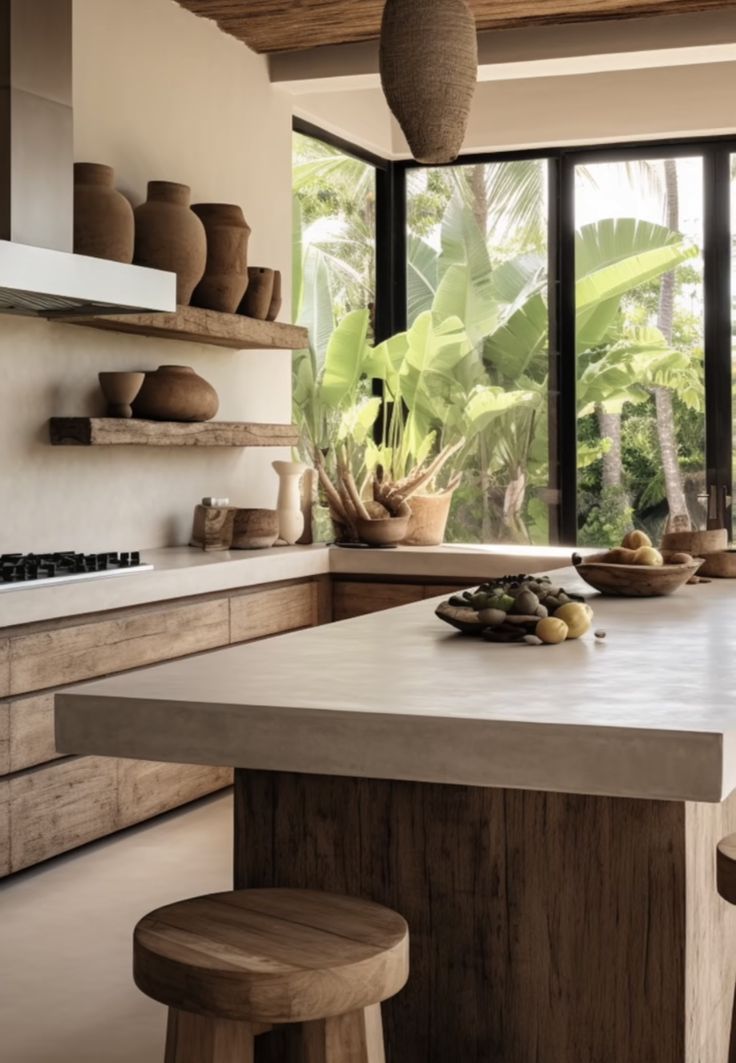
point(429, 69)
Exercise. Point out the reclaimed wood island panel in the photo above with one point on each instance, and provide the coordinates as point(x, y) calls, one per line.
point(546, 822)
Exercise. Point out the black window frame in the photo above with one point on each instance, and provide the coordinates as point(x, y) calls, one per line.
point(391, 308)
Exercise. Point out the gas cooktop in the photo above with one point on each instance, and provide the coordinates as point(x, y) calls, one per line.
point(19, 571)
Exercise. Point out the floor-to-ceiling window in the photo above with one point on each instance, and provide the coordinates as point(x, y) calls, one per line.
point(477, 250)
point(562, 321)
point(639, 347)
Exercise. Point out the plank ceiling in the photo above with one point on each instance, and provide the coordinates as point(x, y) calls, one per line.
point(294, 25)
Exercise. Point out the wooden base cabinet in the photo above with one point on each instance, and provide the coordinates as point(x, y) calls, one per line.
point(50, 804)
point(53, 809)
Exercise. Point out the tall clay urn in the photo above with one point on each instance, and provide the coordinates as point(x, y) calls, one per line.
point(170, 236)
point(103, 218)
point(428, 59)
point(175, 393)
point(226, 273)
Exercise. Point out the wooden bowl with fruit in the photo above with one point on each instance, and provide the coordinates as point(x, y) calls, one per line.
point(636, 569)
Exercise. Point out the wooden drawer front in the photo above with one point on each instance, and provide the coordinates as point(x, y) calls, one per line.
point(4, 667)
point(270, 612)
point(357, 599)
point(69, 654)
point(59, 807)
point(145, 788)
point(4, 737)
point(30, 732)
point(445, 589)
point(4, 828)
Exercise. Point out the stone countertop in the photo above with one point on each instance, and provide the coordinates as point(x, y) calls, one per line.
point(649, 712)
point(182, 571)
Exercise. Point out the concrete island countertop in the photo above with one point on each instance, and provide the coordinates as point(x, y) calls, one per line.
point(648, 712)
point(181, 571)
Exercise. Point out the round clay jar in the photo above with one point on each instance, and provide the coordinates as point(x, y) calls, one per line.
point(104, 225)
point(175, 393)
point(170, 236)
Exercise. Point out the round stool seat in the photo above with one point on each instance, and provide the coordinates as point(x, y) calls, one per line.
point(271, 955)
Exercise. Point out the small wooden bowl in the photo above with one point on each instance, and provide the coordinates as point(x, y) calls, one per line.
point(720, 564)
point(636, 581)
point(255, 529)
point(382, 531)
point(697, 543)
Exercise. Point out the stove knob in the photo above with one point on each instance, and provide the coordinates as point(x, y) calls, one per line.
point(135, 557)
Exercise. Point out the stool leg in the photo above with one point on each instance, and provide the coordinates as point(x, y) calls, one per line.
point(200, 1039)
point(353, 1038)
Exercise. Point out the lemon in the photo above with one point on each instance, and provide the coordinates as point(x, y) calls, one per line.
point(647, 555)
point(552, 630)
point(577, 617)
point(635, 539)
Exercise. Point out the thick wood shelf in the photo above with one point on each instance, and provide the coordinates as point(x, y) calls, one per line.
point(194, 325)
point(119, 431)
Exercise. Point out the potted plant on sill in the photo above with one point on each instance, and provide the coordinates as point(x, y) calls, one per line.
point(433, 404)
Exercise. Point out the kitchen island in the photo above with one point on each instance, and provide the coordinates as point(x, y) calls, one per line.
point(544, 817)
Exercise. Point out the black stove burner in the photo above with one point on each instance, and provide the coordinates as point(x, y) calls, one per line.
point(23, 568)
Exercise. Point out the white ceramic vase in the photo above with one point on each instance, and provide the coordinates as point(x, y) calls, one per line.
point(288, 506)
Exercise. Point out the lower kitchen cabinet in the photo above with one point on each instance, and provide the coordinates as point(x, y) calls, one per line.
point(50, 804)
point(60, 806)
point(357, 597)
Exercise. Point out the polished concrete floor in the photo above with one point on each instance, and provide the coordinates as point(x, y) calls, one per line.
point(66, 993)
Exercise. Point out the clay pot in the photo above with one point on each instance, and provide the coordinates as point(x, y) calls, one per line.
point(119, 390)
point(259, 293)
point(175, 393)
point(382, 531)
point(226, 274)
point(255, 529)
point(276, 300)
point(170, 236)
point(428, 520)
point(104, 226)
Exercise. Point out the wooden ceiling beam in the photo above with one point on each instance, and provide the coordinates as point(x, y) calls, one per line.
point(296, 25)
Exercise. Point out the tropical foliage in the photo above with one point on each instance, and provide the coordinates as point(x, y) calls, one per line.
point(473, 366)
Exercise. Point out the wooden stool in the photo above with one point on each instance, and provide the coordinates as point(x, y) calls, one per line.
point(231, 965)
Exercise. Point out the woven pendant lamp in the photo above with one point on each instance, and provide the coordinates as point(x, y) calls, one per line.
point(429, 69)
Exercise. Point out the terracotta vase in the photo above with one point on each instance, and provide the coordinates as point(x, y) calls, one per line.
point(170, 236)
point(175, 393)
point(104, 225)
point(428, 520)
point(226, 274)
point(276, 300)
point(259, 293)
point(120, 389)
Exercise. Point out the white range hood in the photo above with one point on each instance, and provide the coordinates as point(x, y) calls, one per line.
point(43, 282)
point(39, 274)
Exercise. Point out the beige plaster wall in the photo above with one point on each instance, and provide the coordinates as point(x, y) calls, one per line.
point(158, 93)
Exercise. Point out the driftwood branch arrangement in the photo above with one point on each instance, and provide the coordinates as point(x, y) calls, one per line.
point(347, 501)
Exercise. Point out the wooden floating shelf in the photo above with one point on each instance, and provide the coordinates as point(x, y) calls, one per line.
point(119, 431)
point(194, 325)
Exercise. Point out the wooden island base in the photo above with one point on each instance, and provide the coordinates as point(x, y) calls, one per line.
point(545, 928)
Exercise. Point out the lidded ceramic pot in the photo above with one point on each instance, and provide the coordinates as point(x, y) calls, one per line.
point(175, 393)
point(170, 236)
point(226, 274)
point(104, 226)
